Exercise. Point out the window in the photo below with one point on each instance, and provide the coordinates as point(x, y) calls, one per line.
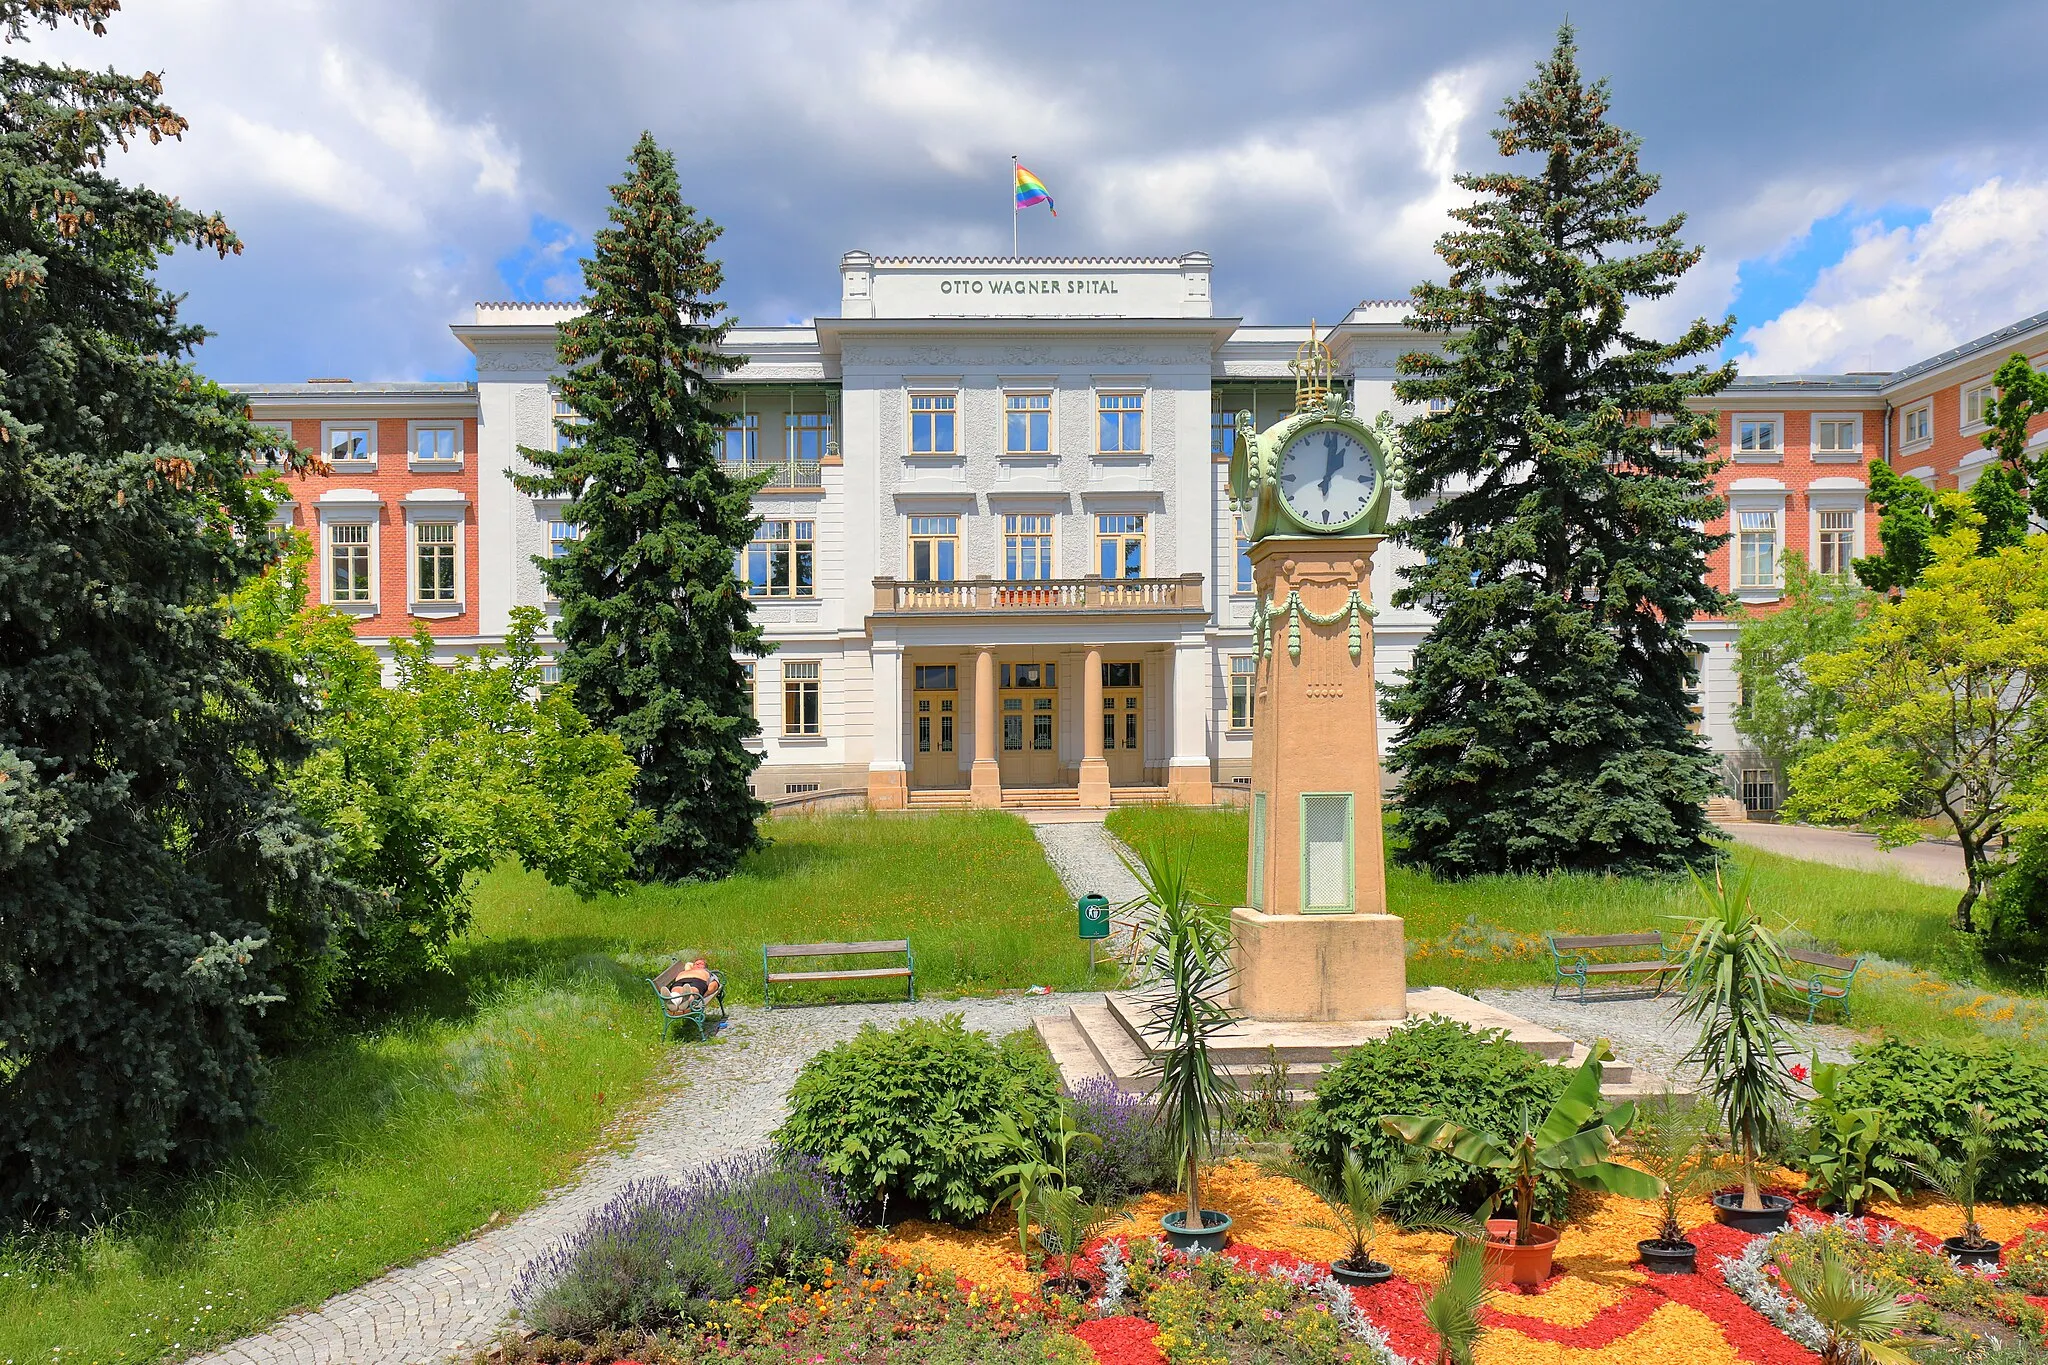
point(934, 549)
point(1439, 406)
point(435, 446)
point(550, 675)
point(1758, 550)
point(931, 424)
point(1658, 443)
point(567, 419)
point(1916, 424)
point(1244, 676)
point(1123, 675)
point(351, 446)
point(1244, 558)
point(779, 560)
point(1977, 401)
point(747, 697)
point(1326, 851)
point(1223, 434)
point(739, 441)
point(1837, 533)
point(936, 678)
point(1027, 547)
point(1756, 436)
point(1120, 546)
point(808, 436)
point(561, 535)
point(1759, 790)
point(1027, 423)
point(1837, 437)
point(1122, 423)
point(800, 698)
point(434, 561)
point(348, 562)
point(1030, 675)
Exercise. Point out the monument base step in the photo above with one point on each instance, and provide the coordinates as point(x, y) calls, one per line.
point(1110, 1041)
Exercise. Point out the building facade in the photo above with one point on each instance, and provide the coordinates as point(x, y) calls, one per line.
point(996, 525)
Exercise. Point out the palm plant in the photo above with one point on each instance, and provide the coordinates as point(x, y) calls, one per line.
point(1071, 1222)
point(1358, 1199)
point(1186, 965)
point(1731, 959)
point(1859, 1317)
point(1672, 1140)
point(1957, 1180)
point(1453, 1307)
point(1562, 1143)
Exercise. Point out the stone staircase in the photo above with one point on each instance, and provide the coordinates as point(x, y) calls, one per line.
point(1106, 1039)
point(1726, 810)
point(954, 798)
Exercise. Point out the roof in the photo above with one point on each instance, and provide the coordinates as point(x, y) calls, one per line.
point(1969, 348)
point(348, 388)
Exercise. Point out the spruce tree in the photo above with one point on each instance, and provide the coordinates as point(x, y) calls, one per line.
point(1545, 722)
point(155, 888)
point(653, 615)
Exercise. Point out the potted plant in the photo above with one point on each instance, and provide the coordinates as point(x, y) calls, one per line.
point(1185, 966)
point(1841, 1146)
point(1672, 1140)
point(1453, 1307)
point(1731, 959)
point(1357, 1200)
point(1859, 1318)
point(1573, 1141)
point(1957, 1182)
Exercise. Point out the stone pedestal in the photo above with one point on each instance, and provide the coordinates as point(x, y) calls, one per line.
point(1320, 967)
point(888, 788)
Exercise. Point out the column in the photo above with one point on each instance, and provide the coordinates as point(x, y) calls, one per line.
point(1188, 776)
point(888, 775)
point(1094, 783)
point(985, 781)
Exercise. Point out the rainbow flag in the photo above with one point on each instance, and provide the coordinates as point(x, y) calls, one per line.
point(1031, 190)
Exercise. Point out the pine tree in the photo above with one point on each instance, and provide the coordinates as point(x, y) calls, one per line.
point(155, 888)
point(1546, 721)
point(653, 616)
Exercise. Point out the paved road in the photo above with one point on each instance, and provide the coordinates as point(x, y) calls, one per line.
point(1932, 863)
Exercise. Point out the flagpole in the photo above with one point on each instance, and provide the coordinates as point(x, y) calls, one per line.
point(1013, 208)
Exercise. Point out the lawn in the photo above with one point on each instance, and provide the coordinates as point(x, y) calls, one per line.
point(1487, 931)
point(402, 1139)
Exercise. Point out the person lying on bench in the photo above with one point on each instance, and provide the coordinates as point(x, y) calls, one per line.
point(690, 986)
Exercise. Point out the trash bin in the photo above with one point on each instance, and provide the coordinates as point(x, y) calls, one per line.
point(1094, 916)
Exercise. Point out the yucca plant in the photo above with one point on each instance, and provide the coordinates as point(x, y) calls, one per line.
point(1573, 1140)
point(1731, 960)
point(1453, 1307)
point(1858, 1316)
point(1185, 973)
point(1957, 1180)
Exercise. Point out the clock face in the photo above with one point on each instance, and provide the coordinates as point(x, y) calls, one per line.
point(1327, 478)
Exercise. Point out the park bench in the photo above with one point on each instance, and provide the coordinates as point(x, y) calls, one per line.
point(670, 1018)
point(773, 953)
point(1814, 978)
point(1622, 959)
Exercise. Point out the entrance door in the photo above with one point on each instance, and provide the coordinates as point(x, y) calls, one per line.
point(1027, 724)
point(935, 728)
point(1123, 724)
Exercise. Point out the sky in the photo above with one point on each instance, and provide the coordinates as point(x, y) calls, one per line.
point(1869, 182)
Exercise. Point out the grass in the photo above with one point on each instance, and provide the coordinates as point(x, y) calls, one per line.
point(1487, 931)
point(398, 1141)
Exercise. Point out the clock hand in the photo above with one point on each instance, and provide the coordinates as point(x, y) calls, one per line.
point(1335, 456)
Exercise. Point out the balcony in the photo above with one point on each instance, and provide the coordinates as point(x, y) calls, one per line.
point(989, 596)
point(782, 474)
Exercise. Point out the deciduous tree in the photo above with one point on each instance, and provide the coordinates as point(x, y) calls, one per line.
point(1782, 712)
point(1547, 720)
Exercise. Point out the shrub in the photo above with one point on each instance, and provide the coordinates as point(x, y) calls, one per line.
point(1132, 1158)
point(1925, 1091)
point(902, 1114)
point(658, 1249)
point(1433, 1066)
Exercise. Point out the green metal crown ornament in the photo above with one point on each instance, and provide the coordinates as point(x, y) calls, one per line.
point(1319, 471)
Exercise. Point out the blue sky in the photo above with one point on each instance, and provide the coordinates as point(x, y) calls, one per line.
point(389, 163)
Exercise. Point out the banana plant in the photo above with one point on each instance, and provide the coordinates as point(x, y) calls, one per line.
point(1858, 1316)
point(1573, 1141)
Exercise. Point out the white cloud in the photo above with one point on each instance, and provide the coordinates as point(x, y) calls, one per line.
point(1901, 294)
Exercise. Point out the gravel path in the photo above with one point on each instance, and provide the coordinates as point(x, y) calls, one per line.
point(1085, 856)
point(1646, 1031)
point(723, 1098)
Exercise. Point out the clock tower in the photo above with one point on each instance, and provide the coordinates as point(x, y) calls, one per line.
point(1315, 943)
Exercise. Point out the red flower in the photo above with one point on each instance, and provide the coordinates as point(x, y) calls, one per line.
point(1798, 1071)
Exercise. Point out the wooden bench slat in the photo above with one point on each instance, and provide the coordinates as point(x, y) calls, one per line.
point(852, 974)
point(1609, 968)
point(1569, 943)
point(1828, 960)
point(896, 945)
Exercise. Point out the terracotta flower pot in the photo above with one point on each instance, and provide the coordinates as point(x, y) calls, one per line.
point(1507, 1263)
point(1984, 1256)
point(1763, 1222)
point(1214, 1236)
point(1669, 1258)
point(1373, 1272)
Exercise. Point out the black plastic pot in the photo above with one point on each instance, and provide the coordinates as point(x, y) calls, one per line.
point(1375, 1272)
point(1986, 1255)
point(1214, 1236)
point(1763, 1222)
point(1669, 1258)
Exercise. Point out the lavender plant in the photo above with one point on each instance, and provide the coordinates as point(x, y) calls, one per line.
point(1132, 1158)
point(658, 1248)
